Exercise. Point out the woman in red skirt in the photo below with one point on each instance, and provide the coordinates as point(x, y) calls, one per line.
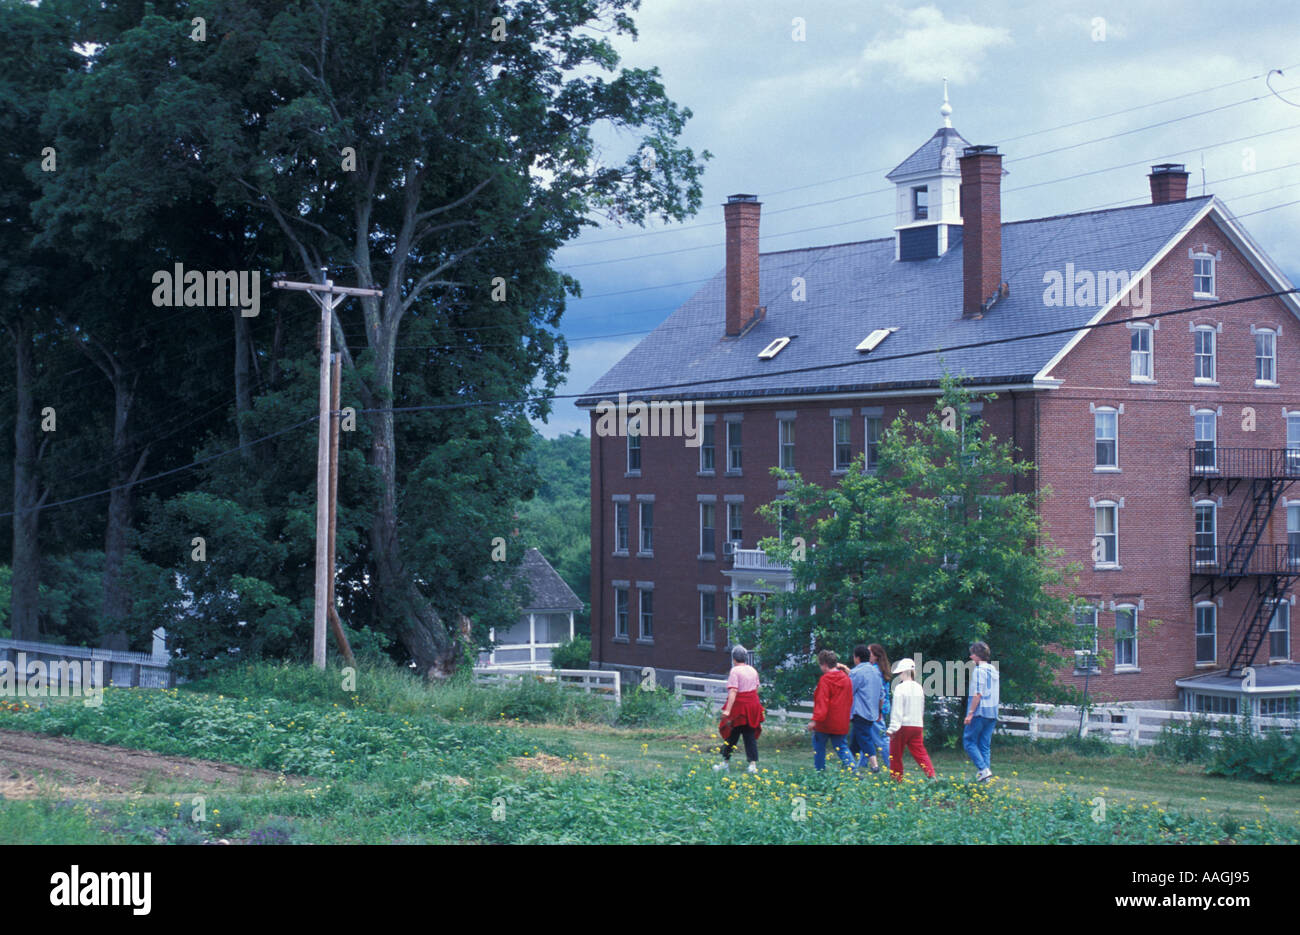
point(742, 715)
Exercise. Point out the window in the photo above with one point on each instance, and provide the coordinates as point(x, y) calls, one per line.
point(706, 449)
point(1203, 354)
point(1106, 544)
point(735, 515)
point(1279, 631)
point(1140, 367)
point(647, 614)
point(774, 348)
point(1085, 619)
point(708, 617)
point(620, 527)
point(1203, 275)
point(647, 527)
point(708, 514)
point(786, 438)
point(634, 446)
point(1206, 434)
point(783, 517)
point(1106, 430)
point(972, 426)
point(1207, 552)
point(620, 613)
point(843, 449)
point(1265, 356)
point(1207, 615)
point(1293, 443)
point(1126, 639)
point(920, 203)
point(1213, 704)
point(1278, 707)
point(873, 442)
point(1293, 531)
point(733, 446)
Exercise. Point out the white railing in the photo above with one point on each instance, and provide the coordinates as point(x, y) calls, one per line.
point(713, 693)
point(1115, 724)
point(605, 683)
point(120, 668)
point(756, 559)
point(1119, 724)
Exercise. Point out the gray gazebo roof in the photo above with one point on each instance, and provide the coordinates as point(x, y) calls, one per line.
point(1269, 679)
point(548, 591)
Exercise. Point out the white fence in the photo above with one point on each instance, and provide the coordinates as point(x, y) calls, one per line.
point(1120, 724)
point(602, 682)
point(713, 692)
point(120, 668)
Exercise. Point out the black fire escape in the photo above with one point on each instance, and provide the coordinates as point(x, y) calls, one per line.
point(1243, 556)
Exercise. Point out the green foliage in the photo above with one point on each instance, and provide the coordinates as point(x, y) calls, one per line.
point(658, 707)
point(557, 520)
point(572, 654)
point(930, 552)
point(1240, 751)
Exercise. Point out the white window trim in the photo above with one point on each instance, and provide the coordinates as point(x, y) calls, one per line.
point(1204, 254)
point(1275, 333)
point(1117, 505)
point(1290, 602)
point(1117, 411)
point(625, 501)
point(712, 592)
point(699, 529)
point(1136, 664)
point(644, 501)
point(838, 416)
point(625, 588)
point(1206, 411)
point(1214, 331)
point(1214, 506)
point(1196, 636)
point(702, 471)
point(1150, 327)
point(642, 587)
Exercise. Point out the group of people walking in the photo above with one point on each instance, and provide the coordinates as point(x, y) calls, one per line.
point(856, 714)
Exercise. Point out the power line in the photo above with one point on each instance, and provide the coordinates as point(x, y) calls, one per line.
point(820, 367)
point(176, 470)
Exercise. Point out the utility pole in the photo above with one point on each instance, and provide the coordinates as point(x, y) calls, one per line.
point(336, 415)
point(328, 296)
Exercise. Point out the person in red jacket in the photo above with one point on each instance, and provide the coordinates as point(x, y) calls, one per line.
point(832, 707)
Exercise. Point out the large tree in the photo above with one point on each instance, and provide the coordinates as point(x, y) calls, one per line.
point(931, 551)
point(440, 152)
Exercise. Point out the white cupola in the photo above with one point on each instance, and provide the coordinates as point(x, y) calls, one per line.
point(928, 182)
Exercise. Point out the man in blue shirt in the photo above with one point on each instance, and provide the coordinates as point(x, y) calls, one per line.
point(982, 715)
point(867, 692)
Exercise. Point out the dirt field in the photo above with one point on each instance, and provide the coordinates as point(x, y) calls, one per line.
point(32, 764)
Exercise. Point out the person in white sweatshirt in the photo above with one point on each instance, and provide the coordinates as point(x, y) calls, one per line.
point(907, 721)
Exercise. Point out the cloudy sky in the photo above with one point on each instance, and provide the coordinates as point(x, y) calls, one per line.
point(1080, 98)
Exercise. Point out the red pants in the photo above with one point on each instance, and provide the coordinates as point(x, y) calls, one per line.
point(908, 738)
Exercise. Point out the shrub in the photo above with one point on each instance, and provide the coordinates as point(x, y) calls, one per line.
point(1270, 756)
point(654, 708)
point(1187, 741)
point(572, 654)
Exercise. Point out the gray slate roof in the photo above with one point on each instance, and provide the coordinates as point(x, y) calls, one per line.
point(549, 591)
point(928, 158)
point(1284, 677)
point(855, 288)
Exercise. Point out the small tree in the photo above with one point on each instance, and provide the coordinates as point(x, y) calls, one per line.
point(928, 553)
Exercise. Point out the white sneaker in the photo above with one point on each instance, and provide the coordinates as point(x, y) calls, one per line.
point(722, 767)
point(752, 768)
point(983, 775)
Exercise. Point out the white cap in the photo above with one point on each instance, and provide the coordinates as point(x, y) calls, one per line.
point(904, 665)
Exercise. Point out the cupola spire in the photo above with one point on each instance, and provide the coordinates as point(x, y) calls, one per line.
point(946, 110)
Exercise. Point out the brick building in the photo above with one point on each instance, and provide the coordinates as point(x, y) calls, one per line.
point(1172, 444)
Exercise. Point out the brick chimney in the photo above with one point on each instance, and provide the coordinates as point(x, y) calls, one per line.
point(981, 239)
point(741, 215)
point(1168, 183)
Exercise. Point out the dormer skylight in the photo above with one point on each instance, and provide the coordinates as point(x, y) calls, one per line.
point(773, 349)
point(872, 341)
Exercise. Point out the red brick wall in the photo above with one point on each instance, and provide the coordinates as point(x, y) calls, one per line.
point(1155, 433)
point(669, 471)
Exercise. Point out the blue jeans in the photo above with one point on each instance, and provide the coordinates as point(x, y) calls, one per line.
point(840, 744)
point(871, 741)
point(977, 740)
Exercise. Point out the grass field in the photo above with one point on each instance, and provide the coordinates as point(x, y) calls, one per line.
point(298, 761)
